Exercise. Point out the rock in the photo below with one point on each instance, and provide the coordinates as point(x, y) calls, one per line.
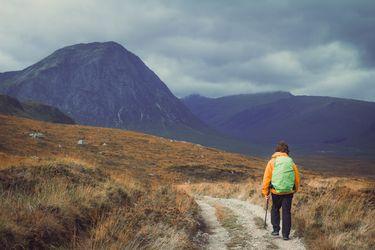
point(81, 142)
point(36, 135)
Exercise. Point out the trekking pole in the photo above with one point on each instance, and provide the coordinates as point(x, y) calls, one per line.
point(265, 217)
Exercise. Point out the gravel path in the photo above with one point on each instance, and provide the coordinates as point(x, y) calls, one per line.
point(245, 231)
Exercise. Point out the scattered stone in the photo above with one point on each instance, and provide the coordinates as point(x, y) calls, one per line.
point(36, 135)
point(104, 144)
point(60, 146)
point(81, 142)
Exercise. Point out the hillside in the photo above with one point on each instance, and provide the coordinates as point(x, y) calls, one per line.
point(215, 111)
point(114, 190)
point(32, 110)
point(312, 124)
point(126, 189)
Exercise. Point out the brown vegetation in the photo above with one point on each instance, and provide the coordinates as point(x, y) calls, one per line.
point(115, 191)
point(129, 190)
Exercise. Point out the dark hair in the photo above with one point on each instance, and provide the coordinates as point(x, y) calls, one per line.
point(282, 147)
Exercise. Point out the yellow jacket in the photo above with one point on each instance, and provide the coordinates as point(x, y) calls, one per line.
point(268, 176)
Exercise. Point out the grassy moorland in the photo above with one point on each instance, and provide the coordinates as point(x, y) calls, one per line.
point(129, 190)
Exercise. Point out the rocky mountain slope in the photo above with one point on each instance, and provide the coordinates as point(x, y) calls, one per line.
point(101, 84)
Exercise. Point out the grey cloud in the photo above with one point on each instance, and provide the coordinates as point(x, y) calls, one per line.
point(210, 47)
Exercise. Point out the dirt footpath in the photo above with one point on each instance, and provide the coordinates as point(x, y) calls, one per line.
point(236, 224)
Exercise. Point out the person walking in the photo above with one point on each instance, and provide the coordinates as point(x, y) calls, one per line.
point(281, 179)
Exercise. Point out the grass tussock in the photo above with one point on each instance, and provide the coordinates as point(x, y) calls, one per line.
point(336, 218)
point(74, 206)
point(163, 219)
point(51, 205)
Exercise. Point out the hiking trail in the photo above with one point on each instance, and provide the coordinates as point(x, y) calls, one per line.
point(237, 224)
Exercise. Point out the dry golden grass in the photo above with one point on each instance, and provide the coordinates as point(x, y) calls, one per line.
point(336, 217)
point(49, 205)
point(122, 192)
point(133, 191)
point(69, 205)
point(148, 224)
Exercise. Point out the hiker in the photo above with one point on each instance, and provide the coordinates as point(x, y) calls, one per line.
point(281, 179)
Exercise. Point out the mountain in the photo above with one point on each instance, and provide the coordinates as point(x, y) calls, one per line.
point(311, 124)
point(103, 84)
point(32, 110)
point(214, 111)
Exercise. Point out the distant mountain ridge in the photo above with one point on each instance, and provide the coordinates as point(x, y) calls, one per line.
point(32, 110)
point(103, 84)
point(312, 124)
point(214, 111)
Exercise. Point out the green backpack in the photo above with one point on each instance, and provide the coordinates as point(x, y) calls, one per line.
point(283, 175)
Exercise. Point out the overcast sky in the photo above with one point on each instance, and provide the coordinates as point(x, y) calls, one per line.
point(213, 48)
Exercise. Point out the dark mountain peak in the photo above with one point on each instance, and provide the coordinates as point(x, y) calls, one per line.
point(103, 47)
point(103, 84)
point(110, 45)
point(90, 52)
